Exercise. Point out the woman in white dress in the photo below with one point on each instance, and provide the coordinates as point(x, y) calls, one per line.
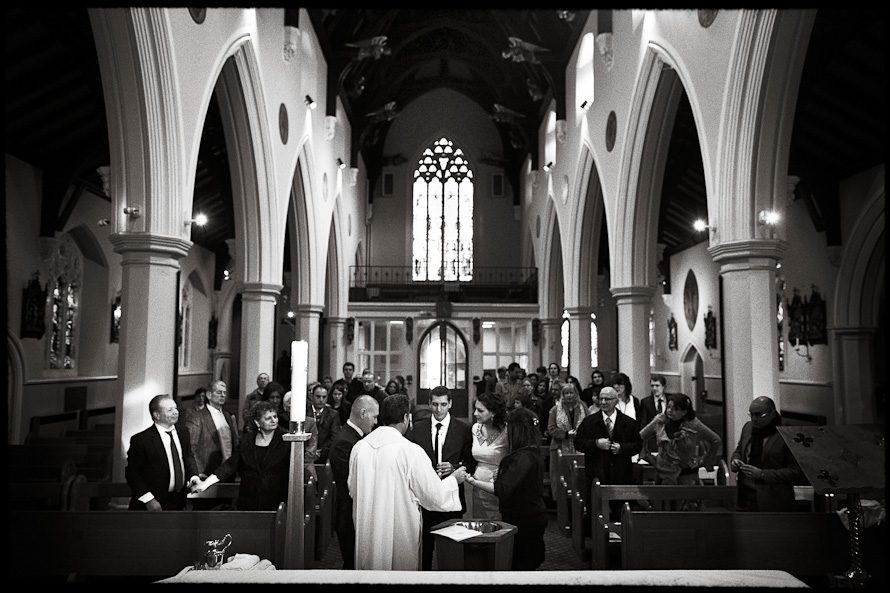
point(489, 447)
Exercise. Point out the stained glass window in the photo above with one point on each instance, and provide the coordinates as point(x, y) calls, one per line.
point(443, 215)
point(64, 302)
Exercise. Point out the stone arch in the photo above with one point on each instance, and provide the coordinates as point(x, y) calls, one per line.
point(334, 280)
point(589, 218)
point(552, 276)
point(299, 229)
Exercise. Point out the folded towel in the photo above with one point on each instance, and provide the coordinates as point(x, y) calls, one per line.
point(241, 562)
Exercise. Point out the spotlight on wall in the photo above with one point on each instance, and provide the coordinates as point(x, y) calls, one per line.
point(548, 166)
point(340, 164)
point(103, 222)
point(132, 211)
point(198, 220)
point(768, 217)
point(310, 102)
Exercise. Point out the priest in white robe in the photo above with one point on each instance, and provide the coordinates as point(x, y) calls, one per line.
point(390, 479)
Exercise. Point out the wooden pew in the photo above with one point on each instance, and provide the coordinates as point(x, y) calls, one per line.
point(141, 545)
point(309, 521)
point(580, 508)
point(34, 496)
point(803, 544)
point(324, 509)
point(94, 461)
point(564, 491)
point(658, 497)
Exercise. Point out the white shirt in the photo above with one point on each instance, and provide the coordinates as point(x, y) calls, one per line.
point(442, 431)
point(627, 408)
point(355, 428)
point(611, 418)
point(224, 430)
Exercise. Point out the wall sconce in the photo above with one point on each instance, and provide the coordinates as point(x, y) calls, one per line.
point(584, 104)
point(350, 329)
point(340, 164)
point(132, 211)
point(477, 330)
point(409, 329)
point(289, 318)
point(198, 220)
point(103, 222)
point(700, 225)
point(536, 330)
point(548, 166)
point(310, 102)
point(768, 217)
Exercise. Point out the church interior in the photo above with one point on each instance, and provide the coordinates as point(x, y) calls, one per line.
point(434, 194)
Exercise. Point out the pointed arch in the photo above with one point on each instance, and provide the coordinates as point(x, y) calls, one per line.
point(298, 228)
point(590, 221)
point(552, 276)
point(334, 281)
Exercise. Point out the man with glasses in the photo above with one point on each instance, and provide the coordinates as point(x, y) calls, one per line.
point(767, 469)
point(609, 439)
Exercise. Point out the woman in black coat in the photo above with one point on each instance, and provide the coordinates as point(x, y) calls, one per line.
point(262, 460)
point(519, 486)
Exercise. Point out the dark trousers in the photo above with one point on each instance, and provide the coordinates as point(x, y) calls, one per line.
point(345, 535)
point(430, 520)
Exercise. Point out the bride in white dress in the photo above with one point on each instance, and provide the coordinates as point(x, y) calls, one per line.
point(489, 447)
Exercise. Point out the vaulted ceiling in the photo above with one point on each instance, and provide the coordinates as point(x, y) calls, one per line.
point(55, 115)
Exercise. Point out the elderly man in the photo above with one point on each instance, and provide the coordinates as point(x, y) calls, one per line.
point(767, 469)
point(212, 431)
point(251, 398)
point(390, 479)
point(362, 420)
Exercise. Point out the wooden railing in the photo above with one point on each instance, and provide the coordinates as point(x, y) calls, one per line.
point(488, 284)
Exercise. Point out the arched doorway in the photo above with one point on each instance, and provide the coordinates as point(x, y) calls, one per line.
point(442, 360)
point(692, 376)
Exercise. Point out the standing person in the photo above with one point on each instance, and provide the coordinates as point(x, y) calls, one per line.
point(370, 387)
point(212, 431)
point(510, 385)
point(563, 422)
point(337, 401)
point(553, 372)
point(609, 440)
point(684, 442)
point(198, 403)
point(353, 384)
point(251, 398)
point(448, 444)
point(767, 469)
point(628, 403)
point(158, 464)
point(262, 461)
point(489, 447)
point(650, 407)
point(390, 480)
point(591, 394)
point(362, 419)
point(327, 421)
point(392, 387)
point(519, 486)
point(539, 400)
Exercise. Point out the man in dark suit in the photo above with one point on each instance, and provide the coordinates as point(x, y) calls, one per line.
point(353, 383)
point(362, 419)
point(212, 431)
point(157, 470)
point(327, 421)
point(451, 449)
point(650, 407)
point(608, 439)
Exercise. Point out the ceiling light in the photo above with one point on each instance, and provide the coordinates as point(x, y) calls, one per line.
point(340, 163)
point(310, 102)
point(132, 211)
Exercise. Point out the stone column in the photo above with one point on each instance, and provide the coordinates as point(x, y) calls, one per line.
point(551, 343)
point(307, 327)
point(334, 342)
point(634, 303)
point(257, 336)
point(750, 350)
point(579, 343)
point(147, 354)
point(853, 356)
point(606, 328)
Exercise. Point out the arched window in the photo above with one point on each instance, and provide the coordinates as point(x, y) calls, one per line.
point(443, 215)
point(564, 332)
point(64, 302)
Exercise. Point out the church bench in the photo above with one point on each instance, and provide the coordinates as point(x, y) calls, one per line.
point(580, 508)
point(564, 491)
point(656, 497)
point(324, 509)
point(803, 544)
point(32, 496)
point(82, 545)
point(92, 460)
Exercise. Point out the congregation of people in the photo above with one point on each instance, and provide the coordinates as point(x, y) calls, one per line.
point(400, 471)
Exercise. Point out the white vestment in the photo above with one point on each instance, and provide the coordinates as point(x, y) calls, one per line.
point(390, 478)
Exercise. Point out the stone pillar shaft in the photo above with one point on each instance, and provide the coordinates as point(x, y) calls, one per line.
point(257, 336)
point(634, 303)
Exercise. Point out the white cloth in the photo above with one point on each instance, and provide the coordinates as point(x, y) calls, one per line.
point(225, 432)
point(442, 431)
point(390, 478)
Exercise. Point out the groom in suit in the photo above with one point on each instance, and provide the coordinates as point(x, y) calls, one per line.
point(159, 467)
point(608, 439)
point(449, 445)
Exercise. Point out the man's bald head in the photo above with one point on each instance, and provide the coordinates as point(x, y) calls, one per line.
point(364, 412)
point(762, 411)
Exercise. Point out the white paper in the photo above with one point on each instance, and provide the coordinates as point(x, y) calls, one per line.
point(457, 532)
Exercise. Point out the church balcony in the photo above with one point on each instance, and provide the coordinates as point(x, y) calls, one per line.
point(397, 284)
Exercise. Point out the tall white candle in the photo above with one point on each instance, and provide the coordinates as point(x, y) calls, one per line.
point(299, 365)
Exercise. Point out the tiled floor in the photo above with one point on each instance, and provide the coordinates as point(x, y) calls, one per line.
point(559, 552)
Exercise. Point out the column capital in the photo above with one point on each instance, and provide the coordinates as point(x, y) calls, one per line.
point(307, 309)
point(751, 254)
point(551, 321)
point(337, 320)
point(139, 246)
point(579, 311)
point(632, 294)
point(259, 290)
